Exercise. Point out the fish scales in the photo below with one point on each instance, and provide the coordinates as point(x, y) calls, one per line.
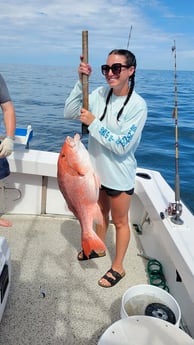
point(79, 185)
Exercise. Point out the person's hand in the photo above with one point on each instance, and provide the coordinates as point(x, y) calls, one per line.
point(83, 68)
point(86, 117)
point(6, 147)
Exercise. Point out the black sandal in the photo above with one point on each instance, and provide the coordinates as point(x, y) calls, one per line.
point(93, 255)
point(111, 280)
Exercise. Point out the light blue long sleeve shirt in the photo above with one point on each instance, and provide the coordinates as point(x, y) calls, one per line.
point(111, 143)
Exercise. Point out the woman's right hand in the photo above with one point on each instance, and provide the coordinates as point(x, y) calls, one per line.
point(83, 68)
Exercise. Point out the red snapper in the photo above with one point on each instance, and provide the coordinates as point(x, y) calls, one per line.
point(80, 187)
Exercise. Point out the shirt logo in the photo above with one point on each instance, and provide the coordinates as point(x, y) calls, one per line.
point(123, 140)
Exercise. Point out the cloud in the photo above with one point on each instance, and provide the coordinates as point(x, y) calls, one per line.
point(49, 32)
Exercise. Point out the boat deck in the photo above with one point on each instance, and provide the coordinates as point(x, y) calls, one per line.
point(54, 299)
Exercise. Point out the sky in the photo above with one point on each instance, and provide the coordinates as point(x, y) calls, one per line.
point(45, 32)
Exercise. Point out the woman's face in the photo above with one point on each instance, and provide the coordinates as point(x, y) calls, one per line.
point(118, 81)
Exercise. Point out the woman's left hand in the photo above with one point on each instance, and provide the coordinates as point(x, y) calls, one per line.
point(86, 117)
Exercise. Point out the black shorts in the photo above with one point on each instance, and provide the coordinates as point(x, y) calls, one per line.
point(113, 192)
point(4, 168)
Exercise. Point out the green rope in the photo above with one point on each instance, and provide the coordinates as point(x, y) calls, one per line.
point(156, 274)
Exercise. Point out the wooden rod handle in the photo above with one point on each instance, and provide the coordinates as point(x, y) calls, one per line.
point(85, 77)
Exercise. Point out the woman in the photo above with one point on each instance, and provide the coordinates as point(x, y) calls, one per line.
point(115, 121)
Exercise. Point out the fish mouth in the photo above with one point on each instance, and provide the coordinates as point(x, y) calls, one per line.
point(72, 141)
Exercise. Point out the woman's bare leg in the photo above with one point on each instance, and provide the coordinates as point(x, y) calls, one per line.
point(119, 206)
point(104, 203)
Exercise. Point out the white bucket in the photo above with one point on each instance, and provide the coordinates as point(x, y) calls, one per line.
point(144, 330)
point(139, 298)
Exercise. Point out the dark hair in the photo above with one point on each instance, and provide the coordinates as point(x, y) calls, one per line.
point(130, 57)
point(130, 61)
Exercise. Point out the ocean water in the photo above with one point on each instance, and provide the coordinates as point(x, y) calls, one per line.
point(39, 93)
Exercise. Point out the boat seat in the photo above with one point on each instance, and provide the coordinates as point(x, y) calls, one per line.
point(23, 136)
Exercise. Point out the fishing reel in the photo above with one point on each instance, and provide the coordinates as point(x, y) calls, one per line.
point(174, 211)
point(174, 208)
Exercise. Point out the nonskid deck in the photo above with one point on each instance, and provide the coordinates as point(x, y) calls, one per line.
point(55, 299)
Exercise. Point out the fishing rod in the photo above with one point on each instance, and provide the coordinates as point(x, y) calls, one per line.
point(176, 207)
point(129, 37)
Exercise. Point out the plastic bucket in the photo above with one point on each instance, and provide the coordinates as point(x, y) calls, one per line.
point(150, 300)
point(144, 330)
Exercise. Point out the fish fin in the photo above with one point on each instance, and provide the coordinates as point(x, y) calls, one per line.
point(92, 243)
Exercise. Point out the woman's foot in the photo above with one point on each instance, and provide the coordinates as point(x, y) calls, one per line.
point(5, 222)
point(93, 255)
point(111, 278)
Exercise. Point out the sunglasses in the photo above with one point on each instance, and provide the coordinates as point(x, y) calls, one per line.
point(115, 68)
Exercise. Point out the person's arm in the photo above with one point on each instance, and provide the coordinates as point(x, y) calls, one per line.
point(73, 103)
point(7, 145)
point(9, 118)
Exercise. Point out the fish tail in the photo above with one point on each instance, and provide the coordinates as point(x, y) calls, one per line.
point(92, 243)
